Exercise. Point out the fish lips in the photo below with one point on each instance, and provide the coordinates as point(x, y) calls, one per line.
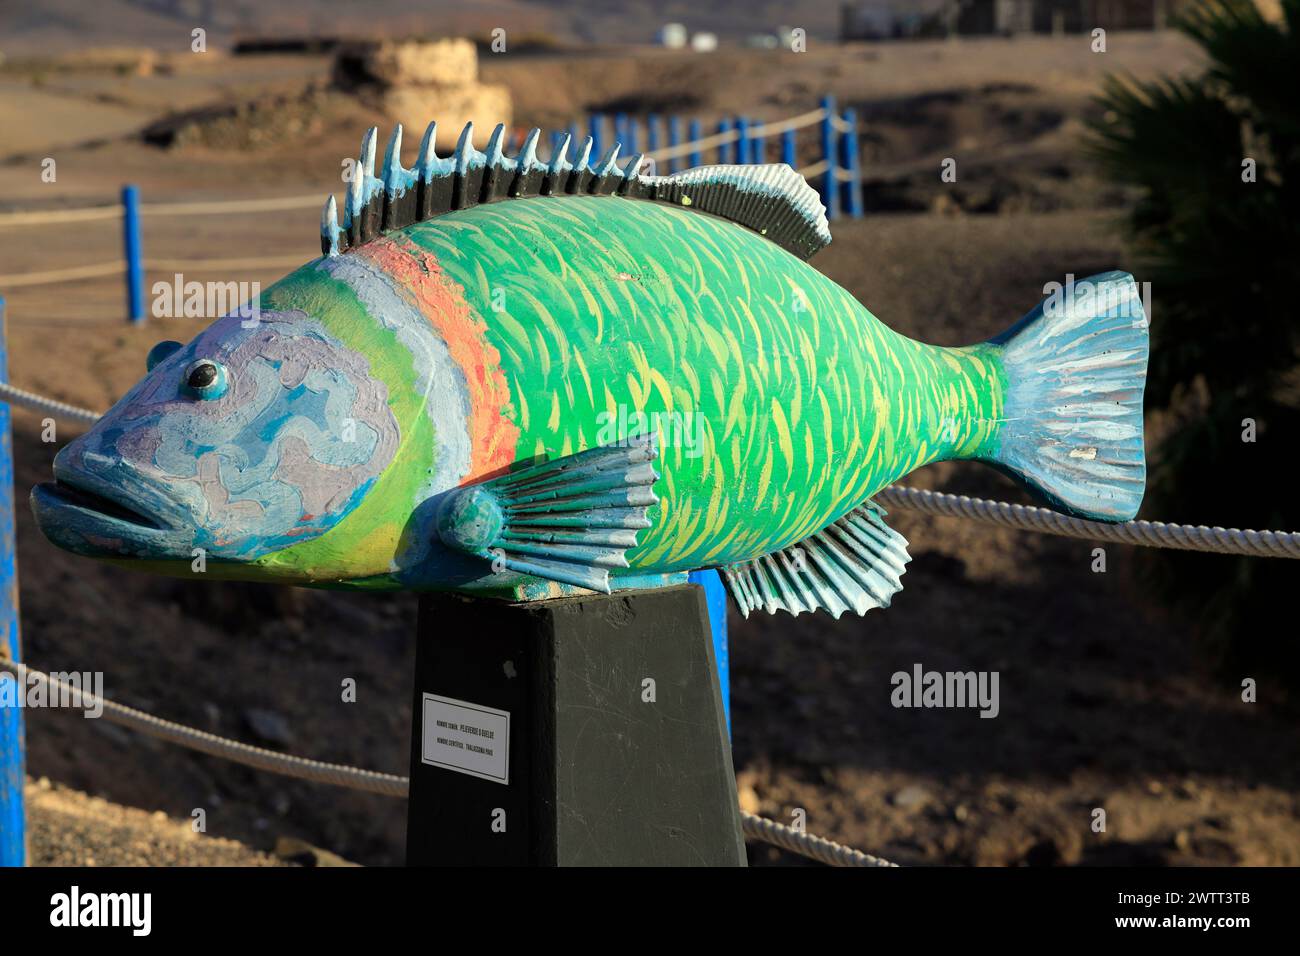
point(110, 515)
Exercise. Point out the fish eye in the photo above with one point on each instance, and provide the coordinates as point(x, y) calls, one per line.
point(206, 379)
point(160, 353)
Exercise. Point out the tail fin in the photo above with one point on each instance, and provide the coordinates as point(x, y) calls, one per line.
point(1075, 367)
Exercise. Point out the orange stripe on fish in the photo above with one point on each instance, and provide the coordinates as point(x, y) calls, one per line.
point(440, 299)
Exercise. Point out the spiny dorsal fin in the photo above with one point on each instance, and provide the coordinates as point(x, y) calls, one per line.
point(773, 200)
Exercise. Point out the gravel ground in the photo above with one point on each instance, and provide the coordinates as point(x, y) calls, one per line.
point(69, 828)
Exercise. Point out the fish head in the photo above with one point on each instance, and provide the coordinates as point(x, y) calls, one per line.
point(246, 445)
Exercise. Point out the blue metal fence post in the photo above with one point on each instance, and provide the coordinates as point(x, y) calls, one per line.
point(742, 141)
point(674, 140)
point(724, 127)
point(851, 165)
point(696, 134)
point(715, 596)
point(620, 129)
point(596, 127)
point(632, 146)
point(134, 254)
point(651, 133)
point(13, 823)
point(787, 148)
point(830, 191)
point(758, 145)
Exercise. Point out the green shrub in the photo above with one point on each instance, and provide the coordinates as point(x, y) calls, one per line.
point(1221, 253)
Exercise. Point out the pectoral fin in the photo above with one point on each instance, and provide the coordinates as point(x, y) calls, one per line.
point(852, 565)
point(567, 520)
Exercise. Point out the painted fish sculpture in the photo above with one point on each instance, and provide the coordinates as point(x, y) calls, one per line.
point(534, 379)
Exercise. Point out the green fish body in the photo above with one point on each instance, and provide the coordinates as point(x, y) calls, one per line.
point(781, 403)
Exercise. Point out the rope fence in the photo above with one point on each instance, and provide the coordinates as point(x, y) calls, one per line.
point(53, 216)
point(57, 276)
point(695, 146)
point(259, 758)
point(229, 206)
point(97, 270)
point(805, 844)
point(1150, 534)
point(737, 140)
point(372, 781)
point(216, 207)
point(253, 262)
point(39, 403)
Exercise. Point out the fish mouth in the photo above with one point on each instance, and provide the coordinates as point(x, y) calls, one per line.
point(89, 517)
point(62, 493)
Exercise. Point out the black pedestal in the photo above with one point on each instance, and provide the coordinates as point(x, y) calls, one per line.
point(576, 732)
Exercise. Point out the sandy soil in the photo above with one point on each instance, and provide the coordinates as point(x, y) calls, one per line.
point(67, 828)
point(1104, 702)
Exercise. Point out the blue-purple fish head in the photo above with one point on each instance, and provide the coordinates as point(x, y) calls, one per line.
point(258, 435)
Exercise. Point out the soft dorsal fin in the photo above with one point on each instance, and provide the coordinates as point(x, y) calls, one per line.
point(773, 200)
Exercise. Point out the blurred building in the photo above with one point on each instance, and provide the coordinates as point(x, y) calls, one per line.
point(414, 81)
point(672, 35)
point(885, 19)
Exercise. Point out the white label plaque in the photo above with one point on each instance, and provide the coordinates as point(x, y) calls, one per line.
point(468, 738)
